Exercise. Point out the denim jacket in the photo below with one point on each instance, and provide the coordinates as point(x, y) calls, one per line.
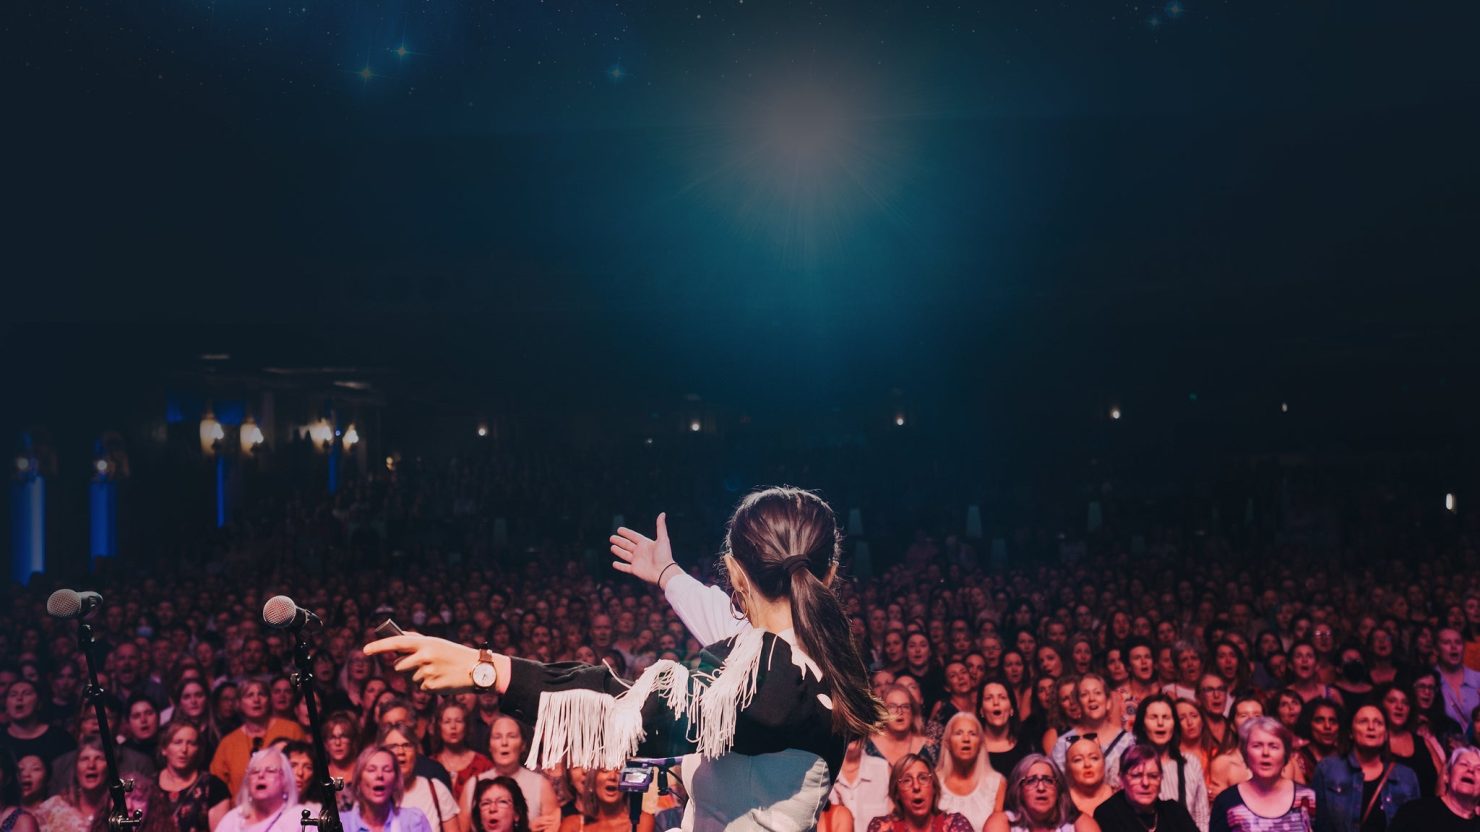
point(1338, 787)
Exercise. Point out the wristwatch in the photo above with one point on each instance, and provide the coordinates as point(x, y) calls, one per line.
point(485, 676)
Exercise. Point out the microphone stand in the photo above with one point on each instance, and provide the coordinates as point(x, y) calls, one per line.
point(303, 679)
point(120, 819)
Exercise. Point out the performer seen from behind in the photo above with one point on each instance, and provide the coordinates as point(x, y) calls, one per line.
point(773, 706)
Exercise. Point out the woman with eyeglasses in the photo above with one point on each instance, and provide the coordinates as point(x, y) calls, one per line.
point(498, 806)
point(267, 799)
point(969, 785)
point(507, 751)
point(1268, 800)
point(1138, 806)
point(1182, 778)
point(916, 794)
point(426, 794)
point(900, 734)
point(1038, 801)
point(342, 747)
point(1431, 721)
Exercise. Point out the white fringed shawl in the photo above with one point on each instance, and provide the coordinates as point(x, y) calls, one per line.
point(592, 729)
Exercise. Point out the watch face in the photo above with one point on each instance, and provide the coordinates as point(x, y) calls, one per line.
point(483, 675)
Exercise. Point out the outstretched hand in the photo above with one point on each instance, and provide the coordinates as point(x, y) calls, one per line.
point(641, 556)
point(440, 665)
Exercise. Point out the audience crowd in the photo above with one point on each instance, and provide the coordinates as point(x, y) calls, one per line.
point(1186, 683)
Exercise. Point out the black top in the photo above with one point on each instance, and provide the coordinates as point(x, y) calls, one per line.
point(786, 711)
point(51, 744)
point(192, 805)
point(1422, 764)
point(1376, 819)
point(1032, 729)
point(1117, 814)
point(1004, 761)
point(1429, 814)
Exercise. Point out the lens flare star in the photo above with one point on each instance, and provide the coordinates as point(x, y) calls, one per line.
point(805, 169)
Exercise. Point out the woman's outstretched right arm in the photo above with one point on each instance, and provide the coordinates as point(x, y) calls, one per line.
point(440, 666)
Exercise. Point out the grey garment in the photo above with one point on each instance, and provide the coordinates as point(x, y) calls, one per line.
point(131, 764)
point(783, 791)
point(1196, 799)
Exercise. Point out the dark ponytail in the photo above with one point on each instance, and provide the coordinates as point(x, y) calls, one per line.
point(787, 541)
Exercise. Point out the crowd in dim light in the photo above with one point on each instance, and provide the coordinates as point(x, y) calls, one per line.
point(1180, 686)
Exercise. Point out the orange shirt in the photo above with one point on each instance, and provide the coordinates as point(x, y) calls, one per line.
point(235, 750)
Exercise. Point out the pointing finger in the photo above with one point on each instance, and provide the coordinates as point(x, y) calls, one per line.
point(393, 644)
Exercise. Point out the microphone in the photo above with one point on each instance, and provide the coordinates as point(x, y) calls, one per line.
point(69, 603)
point(281, 613)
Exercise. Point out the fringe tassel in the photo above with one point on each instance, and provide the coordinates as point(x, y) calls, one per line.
point(569, 729)
point(730, 692)
point(591, 729)
point(596, 730)
point(624, 729)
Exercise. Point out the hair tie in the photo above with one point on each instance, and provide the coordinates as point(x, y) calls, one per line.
point(794, 563)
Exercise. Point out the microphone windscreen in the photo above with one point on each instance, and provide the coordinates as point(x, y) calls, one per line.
point(64, 603)
point(279, 611)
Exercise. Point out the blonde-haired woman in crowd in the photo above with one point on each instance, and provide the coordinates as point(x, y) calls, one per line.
point(969, 785)
point(267, 800)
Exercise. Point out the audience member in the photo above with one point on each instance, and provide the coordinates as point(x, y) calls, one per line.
point(1138, 806)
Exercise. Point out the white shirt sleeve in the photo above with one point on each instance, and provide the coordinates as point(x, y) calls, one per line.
point(705, 610)
point(1198, 804)
point(444, 798)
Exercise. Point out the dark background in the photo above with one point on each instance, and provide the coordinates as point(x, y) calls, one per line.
point(585, 219)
